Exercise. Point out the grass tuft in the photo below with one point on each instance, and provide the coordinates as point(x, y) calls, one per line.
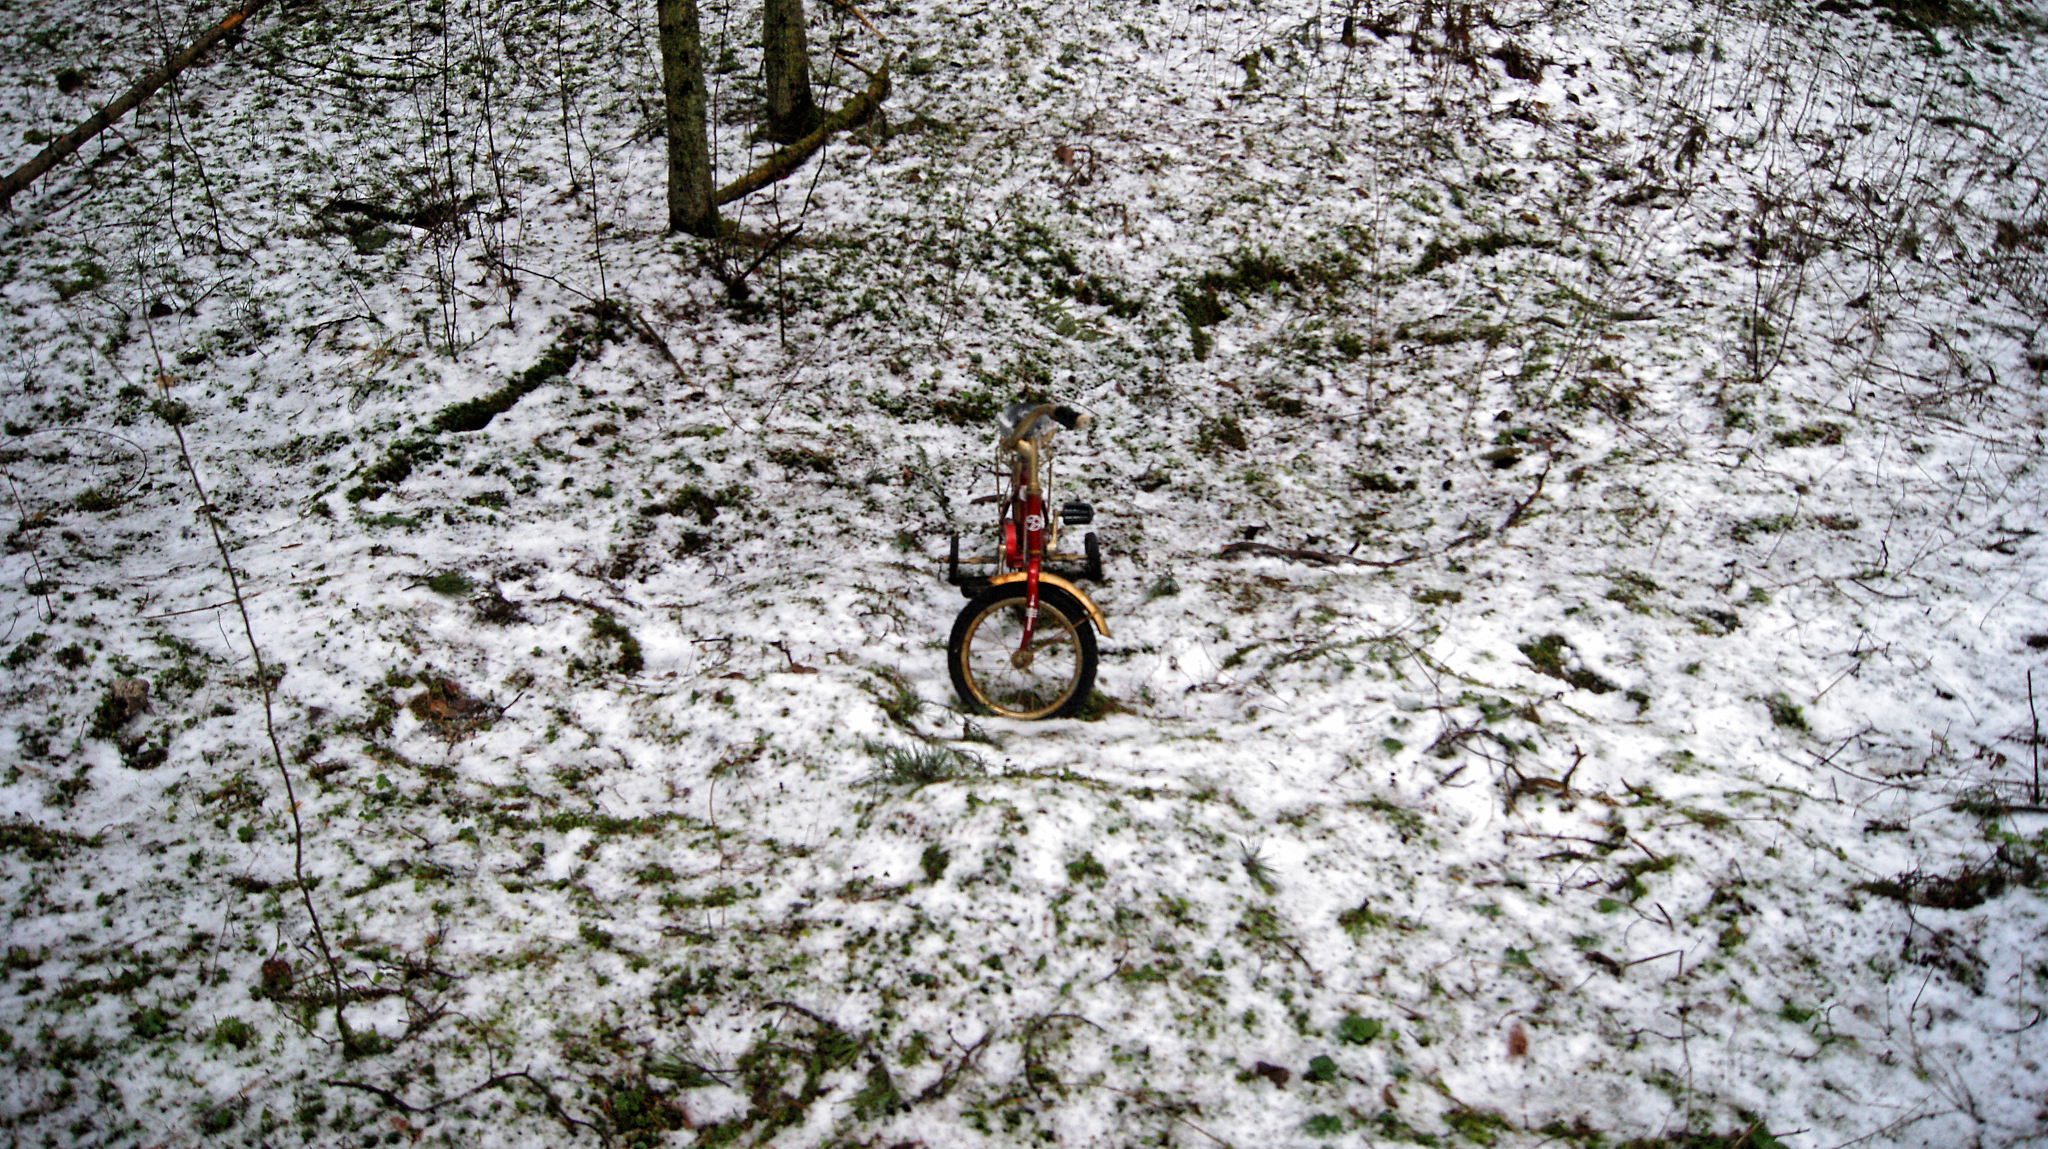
point(1256, 869)
point(922, 765)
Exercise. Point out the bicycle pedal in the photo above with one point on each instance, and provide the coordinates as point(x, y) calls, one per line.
point(1075, 513)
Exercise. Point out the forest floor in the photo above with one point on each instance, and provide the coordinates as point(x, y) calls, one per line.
point(1620, 729)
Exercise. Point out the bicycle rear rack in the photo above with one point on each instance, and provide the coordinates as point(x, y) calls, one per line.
point(973, 584)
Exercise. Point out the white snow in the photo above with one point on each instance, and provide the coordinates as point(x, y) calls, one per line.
point(1756, 291)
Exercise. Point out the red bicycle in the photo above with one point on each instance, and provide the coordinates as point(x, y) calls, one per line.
point(1024, 645)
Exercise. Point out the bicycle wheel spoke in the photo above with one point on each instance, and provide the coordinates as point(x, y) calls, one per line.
point(1049, 672)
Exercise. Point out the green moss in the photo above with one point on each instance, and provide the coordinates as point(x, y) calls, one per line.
point(40, 843)
point(1553, 656)
point(969, 407)
point(1220, 433)
point(1356, 1030)
point(24, 651)
point(1357, 921)
point(1086, 869)
point(1786, 714)
point(1323, 1125)
point(1437, 254)
point(799, 459)
point(149, 1023)
point(453, 584)
point(1749, 528)
point(696, 501)
point(232, 1031)
point(1630, 590)
point(1478, 1125)
point(1630, 884)
point(607, 629)
point(1811, 435)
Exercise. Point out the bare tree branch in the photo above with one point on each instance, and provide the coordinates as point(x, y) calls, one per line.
point(63, 146)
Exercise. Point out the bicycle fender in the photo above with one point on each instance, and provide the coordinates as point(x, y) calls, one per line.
point(1087, 604)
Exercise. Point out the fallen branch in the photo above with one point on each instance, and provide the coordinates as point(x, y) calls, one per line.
point(63, 146)
point(651, 337)
point(785, 162)
point(1323, 558)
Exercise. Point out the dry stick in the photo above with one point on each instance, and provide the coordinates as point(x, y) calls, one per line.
point(196, 609)
point(1145, 1097)
point(63, 146)
point(269, 718)
point(1323, 558)
point(2036, 793)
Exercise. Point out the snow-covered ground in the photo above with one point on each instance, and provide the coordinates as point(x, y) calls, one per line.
point(1620, 732)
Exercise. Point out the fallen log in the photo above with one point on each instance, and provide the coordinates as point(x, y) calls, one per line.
point(786, 161)
point(63, 146)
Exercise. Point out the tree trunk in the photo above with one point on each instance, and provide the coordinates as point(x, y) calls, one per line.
point(63, 146)
point(690, 206)
point(786, 67)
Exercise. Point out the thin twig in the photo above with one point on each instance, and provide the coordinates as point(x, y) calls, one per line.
point(263, 681)
point(392, 1099)
point(1145, 1097)
point(198, 609)
point(1522, 508)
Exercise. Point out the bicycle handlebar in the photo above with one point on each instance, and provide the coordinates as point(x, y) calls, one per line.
point(1061, 414)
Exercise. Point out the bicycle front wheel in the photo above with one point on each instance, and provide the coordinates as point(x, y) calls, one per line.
point(994, 672)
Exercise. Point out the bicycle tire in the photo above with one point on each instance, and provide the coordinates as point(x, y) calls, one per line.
point(1054, 683)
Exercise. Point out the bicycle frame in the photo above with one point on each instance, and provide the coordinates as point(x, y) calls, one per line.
point(1028, 535)
point(1026, 510)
